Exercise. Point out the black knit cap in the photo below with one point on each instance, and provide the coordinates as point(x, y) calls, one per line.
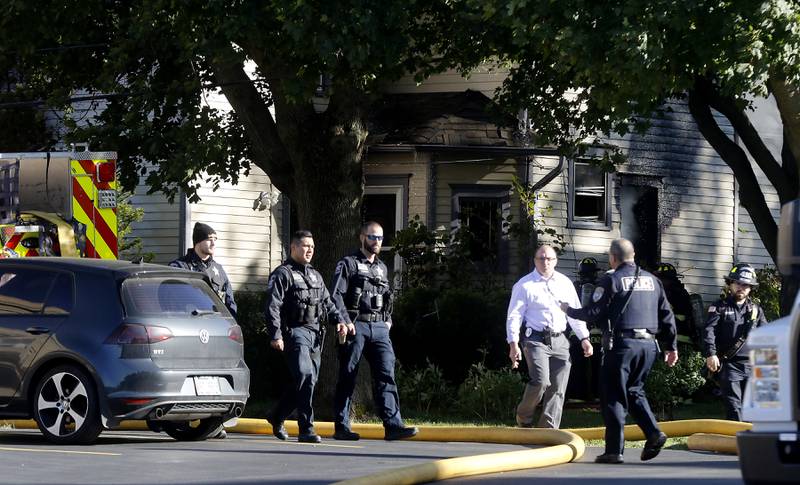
point(201, 232)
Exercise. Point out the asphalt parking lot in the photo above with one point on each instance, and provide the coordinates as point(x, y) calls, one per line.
point(144, 457)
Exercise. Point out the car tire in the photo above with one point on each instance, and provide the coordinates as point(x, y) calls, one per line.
point(198, 430)
point(66, 407)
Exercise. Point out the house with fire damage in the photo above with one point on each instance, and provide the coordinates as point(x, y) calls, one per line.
point(437, 155)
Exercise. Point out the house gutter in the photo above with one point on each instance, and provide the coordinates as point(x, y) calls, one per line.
point(513, 152)
point(483, 150)
point(488, 150)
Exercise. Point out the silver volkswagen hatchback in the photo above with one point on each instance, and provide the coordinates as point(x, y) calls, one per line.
point(87, 343)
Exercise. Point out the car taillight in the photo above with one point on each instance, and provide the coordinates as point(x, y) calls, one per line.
point(129, 333)
point(235, 334)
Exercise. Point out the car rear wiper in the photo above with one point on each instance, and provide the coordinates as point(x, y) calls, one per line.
point(197, 312)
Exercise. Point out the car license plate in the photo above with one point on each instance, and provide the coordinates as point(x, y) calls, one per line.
point(207, 385)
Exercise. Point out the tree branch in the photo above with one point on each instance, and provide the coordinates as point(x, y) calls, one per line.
point(748, 133)
point(750, 194)
point(268, 149)
point(787, 97)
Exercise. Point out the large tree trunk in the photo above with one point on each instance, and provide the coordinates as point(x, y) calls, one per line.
point(316, 160)
point(326, 151)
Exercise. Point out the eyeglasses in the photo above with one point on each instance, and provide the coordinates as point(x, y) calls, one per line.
point(541, 258)
point(374, 237)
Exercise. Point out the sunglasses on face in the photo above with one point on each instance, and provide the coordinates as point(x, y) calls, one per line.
point(374, 237)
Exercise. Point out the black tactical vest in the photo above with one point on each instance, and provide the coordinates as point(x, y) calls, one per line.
point(303, 301)
point(368, 291)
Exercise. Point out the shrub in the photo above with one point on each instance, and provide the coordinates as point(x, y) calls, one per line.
point(268, 371)
point(668, 386)
point(469, 323)
point(423, 391)
point(489, 395)
point(768, 292)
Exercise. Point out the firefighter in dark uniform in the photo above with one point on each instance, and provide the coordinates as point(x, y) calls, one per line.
point(680, 302)
point(727, 326)
point(636, 308)
point(297, 301)
point(587, 274)
point(583, 376)
point(200, 258)
point(363, 295)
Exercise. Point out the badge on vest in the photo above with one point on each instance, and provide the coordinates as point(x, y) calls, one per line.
point(598, 293)
point(528, 332)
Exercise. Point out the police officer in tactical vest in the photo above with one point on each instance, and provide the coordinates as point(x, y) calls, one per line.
point(200, 258)
point(363, 295)
point(727, 326)
point(297, 301)
point(633, 303)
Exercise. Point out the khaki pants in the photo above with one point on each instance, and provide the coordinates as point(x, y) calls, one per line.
point(548, 371)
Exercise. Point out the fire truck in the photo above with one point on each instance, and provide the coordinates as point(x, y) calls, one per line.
point(58, 204)
point(770, 452)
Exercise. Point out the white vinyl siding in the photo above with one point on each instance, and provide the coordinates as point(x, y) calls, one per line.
point(248, 244)
point(249, 241)
point(695, 197)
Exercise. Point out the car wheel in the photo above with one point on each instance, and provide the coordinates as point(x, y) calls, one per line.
point(197, 430)
point(66, 407)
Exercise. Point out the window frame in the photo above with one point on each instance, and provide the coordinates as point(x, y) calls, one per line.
point(396, 185)
point(572, 223)
point(500, 192)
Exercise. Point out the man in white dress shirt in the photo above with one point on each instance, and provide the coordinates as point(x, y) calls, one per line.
point(535, 300)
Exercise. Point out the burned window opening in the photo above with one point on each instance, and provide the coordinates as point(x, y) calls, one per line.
point(589, 204)
point(480, 224)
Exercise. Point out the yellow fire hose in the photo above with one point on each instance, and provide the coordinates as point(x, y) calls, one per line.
point(558, 446)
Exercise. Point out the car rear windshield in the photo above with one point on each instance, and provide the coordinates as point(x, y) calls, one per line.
point(169, 295)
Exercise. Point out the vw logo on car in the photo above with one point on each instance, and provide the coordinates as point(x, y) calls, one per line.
point(203, 335)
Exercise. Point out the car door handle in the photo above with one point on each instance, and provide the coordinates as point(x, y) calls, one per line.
point(37, 330)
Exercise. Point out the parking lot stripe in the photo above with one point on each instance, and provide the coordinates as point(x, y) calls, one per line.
point(69, 452)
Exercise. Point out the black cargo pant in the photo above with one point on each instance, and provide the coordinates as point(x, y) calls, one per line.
point(372, 340)
point(302, 348)
point(623, 373)
point(732, 382)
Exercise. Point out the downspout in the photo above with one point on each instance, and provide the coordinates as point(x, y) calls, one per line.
point(548, 177)
point(185, 218)
point(736, 238)
point(431, 223)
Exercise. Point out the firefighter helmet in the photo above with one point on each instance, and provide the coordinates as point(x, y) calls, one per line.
point(666, 270)
point(588, 265)
point(742, 273)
